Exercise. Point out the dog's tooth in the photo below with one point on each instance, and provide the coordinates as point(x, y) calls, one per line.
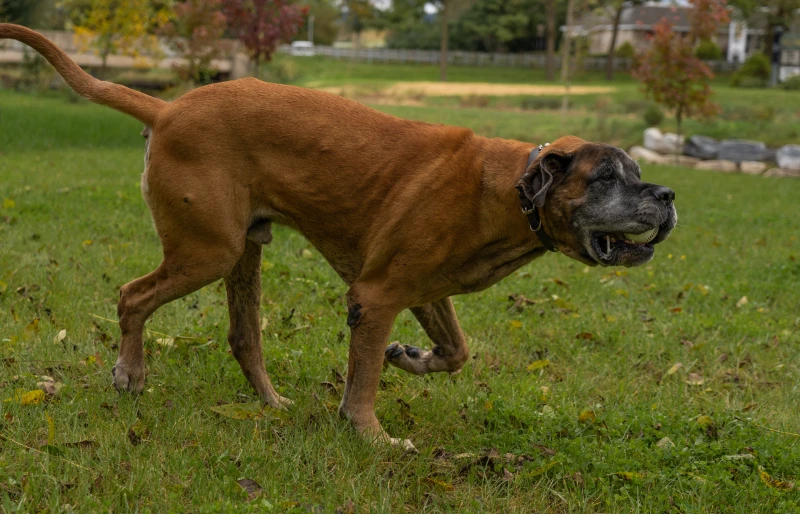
point(608, 244)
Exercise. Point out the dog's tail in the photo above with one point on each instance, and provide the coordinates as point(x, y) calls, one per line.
point(133, 103)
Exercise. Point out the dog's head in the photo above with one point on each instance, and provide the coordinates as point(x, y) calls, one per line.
point(595, 205)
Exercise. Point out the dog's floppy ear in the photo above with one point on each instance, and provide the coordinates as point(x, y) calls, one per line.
point(543, 173)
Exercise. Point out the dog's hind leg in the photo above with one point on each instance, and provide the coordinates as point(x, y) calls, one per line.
point(186, 268)
point(244, 299)
point(450, 352)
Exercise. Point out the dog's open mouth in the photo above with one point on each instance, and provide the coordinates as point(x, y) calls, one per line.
point(625, 249)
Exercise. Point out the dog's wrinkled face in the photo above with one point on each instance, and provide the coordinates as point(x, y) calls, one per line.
point(598, 208)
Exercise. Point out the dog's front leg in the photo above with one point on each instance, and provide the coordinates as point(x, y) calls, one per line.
point(370, 321)
point(450, 352)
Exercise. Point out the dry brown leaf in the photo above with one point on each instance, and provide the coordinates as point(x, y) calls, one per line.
point(251, 487)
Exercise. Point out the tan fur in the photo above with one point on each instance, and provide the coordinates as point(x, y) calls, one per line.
point(407, 213)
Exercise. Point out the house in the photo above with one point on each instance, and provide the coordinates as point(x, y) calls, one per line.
point(737, 40)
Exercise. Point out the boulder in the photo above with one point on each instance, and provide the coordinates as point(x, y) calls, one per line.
point(717, 165)
point(701, 147)
point(655, 140)
point(686, 161)
point(738, 150)
point(782, 172)
point(752, 167)
point(642, 154)
point(788, 157)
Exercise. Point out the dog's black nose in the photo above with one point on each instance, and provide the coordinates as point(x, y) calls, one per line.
point(664, 194)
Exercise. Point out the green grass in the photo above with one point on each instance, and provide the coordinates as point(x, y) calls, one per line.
point(73, 228)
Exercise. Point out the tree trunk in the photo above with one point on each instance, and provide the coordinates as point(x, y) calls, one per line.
point(443, 44)
point(256, 65)
point(566, 45)
point(550, 59)
point(612, 49)
point(679, 120)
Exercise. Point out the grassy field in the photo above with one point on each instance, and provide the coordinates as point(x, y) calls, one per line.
point(668, 388)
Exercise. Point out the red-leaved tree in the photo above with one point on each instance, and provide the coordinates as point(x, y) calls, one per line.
point(195, 32)
point(261, 25)
point(669, 70)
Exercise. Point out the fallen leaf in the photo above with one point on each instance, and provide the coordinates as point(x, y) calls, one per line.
point(674, 369)
point(704, 421)
point(138, 432)
point(541, 470)
point(507, 475)
point(33, 326)
point(515, 323)
point(240, 411)
point(62, 334)
point(695, 379)
point(742, 302)
point(166, 341)
point(629, 475)
point(251, 487)
point(441, 484)
point(49, 386)
point(338, 378)
point(540, 364)
point(588, 336)
point(87, 242)
point(676, 310)
point(85, 444)
point(544, 393)
point(32, 397)
point(773, 483)
point(544, 449)
point(587, 416)
point(8, 203)
point(665, 442)
point(306, 253)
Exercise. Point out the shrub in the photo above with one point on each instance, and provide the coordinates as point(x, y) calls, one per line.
point(653, 116)
point(754, 72)
point(708, 51)
point(541, 102)
point(792, 83)
point(625, 50)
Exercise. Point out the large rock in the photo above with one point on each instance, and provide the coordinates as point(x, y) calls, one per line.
point(738, 150)
point(788, 157)
point(702, 147)
point(642, 154)
point(782, 172)
point(752, 167)
point(717, 165)
point(668, 143)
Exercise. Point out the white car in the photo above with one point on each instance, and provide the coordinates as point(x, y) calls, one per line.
point(303, 48)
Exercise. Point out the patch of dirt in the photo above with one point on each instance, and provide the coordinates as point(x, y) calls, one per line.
point(487, 89)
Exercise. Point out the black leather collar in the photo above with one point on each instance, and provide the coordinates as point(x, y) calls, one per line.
point(532, 212)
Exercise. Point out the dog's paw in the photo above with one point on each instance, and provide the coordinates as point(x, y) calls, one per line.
point(408, 358)
point(278, 402)
point(127, 378)
point(405, 444)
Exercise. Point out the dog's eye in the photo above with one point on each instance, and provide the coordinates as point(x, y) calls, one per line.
point(607, 176)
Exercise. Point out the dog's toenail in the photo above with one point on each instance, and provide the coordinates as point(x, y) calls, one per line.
point(394, 351)
point(412, 351)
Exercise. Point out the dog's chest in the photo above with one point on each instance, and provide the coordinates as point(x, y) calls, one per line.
point(492, 264)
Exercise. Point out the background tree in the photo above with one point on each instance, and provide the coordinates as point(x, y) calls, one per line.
point(550, 52)
point(326, 21)
point(447, 10)
point(669, 70)
point(115, 26)
point(615, 8)
point(195, 32)
point(261, 25)
point(359, 16)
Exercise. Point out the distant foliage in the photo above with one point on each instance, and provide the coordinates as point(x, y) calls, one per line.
point(195, 31)
point(670, 72)
point(625, 50)
point(261, 25)
point(708, 51)
point(754, 72)
point(653, 116)
point(122, 27)
point(792, 83)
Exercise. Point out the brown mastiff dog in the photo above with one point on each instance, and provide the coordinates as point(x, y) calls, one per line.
point(407, 213)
